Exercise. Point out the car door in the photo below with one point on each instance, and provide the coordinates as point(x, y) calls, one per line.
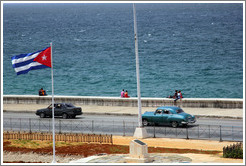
point(58, 109)
point(158, 116)
point(166, 114)
point(49, 111)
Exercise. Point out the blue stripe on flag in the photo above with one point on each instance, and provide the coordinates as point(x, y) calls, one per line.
point(32, 68)
point(24, 55)
point(28, 54)
point(19, 56)
point(23, 63)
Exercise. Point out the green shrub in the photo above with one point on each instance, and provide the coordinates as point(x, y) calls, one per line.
point(234, 151)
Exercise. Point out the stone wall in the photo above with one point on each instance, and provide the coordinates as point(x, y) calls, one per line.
point(131, 102)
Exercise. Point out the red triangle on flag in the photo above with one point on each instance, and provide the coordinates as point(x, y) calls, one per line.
point(44, 57)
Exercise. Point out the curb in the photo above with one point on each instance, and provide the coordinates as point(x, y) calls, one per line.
point(128, 114)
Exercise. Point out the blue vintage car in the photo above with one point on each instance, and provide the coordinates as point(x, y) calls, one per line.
point(170, 115)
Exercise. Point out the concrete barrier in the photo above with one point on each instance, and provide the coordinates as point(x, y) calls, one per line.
point(131, 102)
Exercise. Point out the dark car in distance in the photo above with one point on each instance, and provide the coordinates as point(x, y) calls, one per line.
point(66, 110)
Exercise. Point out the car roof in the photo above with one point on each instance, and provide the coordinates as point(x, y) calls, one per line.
point(168, 107)
point(62, 103)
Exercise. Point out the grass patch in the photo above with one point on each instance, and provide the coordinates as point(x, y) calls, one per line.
point(26, 144)
point(120, 150)
point(35, 144)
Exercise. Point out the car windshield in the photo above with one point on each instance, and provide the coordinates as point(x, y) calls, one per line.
point(179, 111)
point(50, 106)
point(69, 105)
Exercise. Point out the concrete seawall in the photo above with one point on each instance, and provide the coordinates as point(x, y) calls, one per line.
point(127, 102)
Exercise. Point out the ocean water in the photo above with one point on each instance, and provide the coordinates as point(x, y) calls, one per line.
point(192, 47)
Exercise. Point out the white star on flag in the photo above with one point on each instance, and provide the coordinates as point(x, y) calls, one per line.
point(44, 58)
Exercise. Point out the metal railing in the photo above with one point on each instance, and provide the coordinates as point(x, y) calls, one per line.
point(207, 132)
point(124, 128)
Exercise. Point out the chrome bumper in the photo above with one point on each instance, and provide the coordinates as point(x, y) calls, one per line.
point(193, 121)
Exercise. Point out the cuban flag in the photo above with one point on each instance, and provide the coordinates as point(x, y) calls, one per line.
point(23, 63)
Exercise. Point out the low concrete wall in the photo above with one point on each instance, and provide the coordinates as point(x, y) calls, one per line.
point(131, 102)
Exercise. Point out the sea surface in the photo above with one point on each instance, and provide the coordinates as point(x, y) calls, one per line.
point(193, 47)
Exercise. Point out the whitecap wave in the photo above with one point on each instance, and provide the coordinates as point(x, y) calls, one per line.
point(82, 30)
point(77, 39)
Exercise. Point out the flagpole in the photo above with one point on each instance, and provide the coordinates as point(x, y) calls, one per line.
point(137, 69)
point(140, 131)
point(53, 112)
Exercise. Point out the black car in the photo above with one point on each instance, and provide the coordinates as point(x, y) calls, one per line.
point(61, 109)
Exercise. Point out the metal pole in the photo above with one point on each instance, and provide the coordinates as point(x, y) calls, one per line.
point(124, 134)
point(113, 126)
point(39, 125)
point(232, 133)
point(198, 130)
point(92, 126)
point(220, 134)
point(154, 131)
point(187, 133)
point(30, 127)
point(53, 112)
point(137, 69)
point(10, 123)
point(20, 124)
point(71, 126)
point(59, 126)
point(49, 125)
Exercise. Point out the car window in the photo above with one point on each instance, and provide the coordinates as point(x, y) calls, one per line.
point(50, 106)
point(158, 112)
point(179, 111)
point(58, 106)
point(166, 112)
point(69, 105)
point(55, 105)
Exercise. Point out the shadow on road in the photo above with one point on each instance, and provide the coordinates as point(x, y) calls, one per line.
point(187, 126)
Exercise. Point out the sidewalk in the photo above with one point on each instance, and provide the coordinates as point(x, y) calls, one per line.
point(122, 110)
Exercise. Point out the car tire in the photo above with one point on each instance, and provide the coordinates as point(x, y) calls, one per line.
point(145, 122)
point(174, 124)
point(42, 115)
point(64, 116)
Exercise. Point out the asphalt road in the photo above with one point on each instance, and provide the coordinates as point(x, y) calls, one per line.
point(204, 128)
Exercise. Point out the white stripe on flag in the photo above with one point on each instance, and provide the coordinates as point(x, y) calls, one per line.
point(18, 69)
point(14, 61)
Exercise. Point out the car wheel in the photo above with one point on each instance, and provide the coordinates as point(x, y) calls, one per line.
point(174, 124)
point(42, 115)
point(64, 116)
point(145, 122)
